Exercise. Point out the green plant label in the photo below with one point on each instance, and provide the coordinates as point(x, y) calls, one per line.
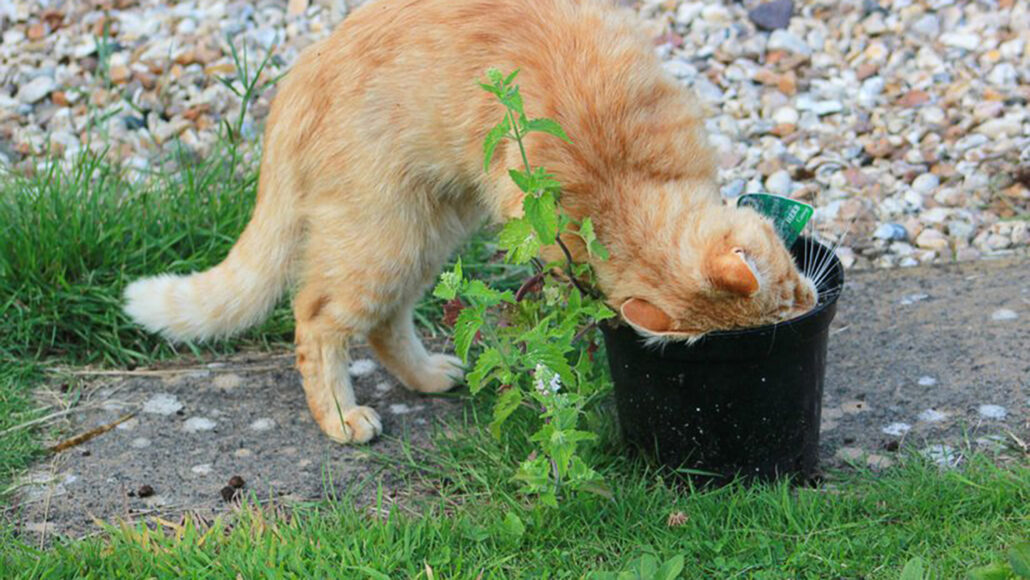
point(789, 216)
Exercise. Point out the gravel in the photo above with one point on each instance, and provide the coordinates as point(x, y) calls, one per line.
point(904, 122)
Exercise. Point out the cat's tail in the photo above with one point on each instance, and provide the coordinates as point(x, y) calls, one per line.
point(235, 294)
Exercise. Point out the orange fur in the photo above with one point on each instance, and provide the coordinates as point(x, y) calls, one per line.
point(372, 175)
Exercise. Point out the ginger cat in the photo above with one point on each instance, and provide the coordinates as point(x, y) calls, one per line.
point(373, 174)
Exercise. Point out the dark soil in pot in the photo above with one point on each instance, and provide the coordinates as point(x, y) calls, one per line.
point(737, 403)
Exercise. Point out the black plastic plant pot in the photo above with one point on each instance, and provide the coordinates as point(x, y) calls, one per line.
point(742, 403)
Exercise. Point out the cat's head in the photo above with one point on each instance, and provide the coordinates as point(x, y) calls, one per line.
point(728, 269)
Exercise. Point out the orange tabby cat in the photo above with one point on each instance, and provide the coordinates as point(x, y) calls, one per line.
point(372, 176)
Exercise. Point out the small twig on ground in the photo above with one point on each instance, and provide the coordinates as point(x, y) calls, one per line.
point(163, 373)
point(84, 437)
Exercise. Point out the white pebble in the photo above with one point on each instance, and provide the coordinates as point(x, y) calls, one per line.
point(932, 416)
point(362, 367)
point(383, 387)
point(195, 424)
point(1004, 314)
point(993, 411)
point(927, 381)
point(897, 429)
point(913, 298)
point(263, 424)
point(162, 404)
point(140, 442)
point(202, 469)
point(943, 455)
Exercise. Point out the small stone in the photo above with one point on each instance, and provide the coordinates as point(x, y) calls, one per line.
point(913, 298)
point(932, 416)
point(927, 381)
point(854, 407)
point(992, 412)
point(786, 115)
point(891, 232)
point(788, 41)
point(914, 98)
point(119, 74)
point(897, 429)
point(943, 455)
point(772, 15)
point(1004, 314)
point(227, 381)
point(926, 183)
point(264, 424)
point(383, 387)
point(162, 404)
point(36, 90)
point(1003, 75)
point(779, 183)
point(362, 367)
point(849, 453)
point(198, 424)
point(963, 40)
point(927, 27)
point(140, 443)
point(931, 239)
point(201, 469)
point(36, 31)
point(878, 462)
point(1000, 128)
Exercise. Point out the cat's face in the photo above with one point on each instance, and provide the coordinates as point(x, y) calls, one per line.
point(731, 271)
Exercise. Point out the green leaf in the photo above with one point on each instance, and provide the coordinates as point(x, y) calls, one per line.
point(996, 571)
point(671, 569)
point(548, 126)
point(540, 211)
point(507, 81)
point(495, 76)
point(465, 328)
point(513, 100)
point(513, 526)
point(503, 408)
point(552, 356)
point(487, 362)
point(646, 566)
point(520, 241)
point(522, 179)
point(493, 138)
point(450, 283)
point(478, 292)
point(1019, 558)
point(594, 247)
point(913, 570)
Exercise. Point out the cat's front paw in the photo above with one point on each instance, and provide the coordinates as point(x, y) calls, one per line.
point(358, 425)
point(443, 373)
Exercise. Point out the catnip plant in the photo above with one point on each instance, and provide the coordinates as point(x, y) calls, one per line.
point(534, 348)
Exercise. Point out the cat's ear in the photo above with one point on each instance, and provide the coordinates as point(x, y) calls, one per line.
point(730, 271)
point(646, 316)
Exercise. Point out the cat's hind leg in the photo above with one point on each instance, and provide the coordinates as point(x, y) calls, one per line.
point(322, 358)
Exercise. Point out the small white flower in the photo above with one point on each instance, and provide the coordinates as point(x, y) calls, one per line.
point(547, 382)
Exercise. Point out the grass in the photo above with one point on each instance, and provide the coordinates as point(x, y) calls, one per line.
point(74, 238)
point(864, 525)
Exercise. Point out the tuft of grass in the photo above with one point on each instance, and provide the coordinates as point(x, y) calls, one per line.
point(76, 236)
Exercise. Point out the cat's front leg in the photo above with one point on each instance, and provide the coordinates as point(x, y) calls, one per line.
point(400, 349)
